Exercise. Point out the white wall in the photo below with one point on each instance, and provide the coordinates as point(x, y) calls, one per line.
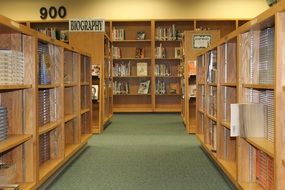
point(136, 9)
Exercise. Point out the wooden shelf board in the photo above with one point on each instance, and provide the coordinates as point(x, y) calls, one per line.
point(115, 41)
point(259, 86)
point(201, 83)
point(15, 86)
point(126, 110)
point(13, 141)
point(229, 84)
point(167, 109)
point(72, 84)
point(168, 40)
point(84, 84)
point(85, 137)
point(27, 186)
point(201, 111)
point(70, 149)
point(212, 117)
point(168, 94)
point(226, 125)
point(230, 168)
point(48, 86)
point(200, 137)
point(131, 76)
point(48, 168)
point(250, 186)
point(170, 58)
point(83, 111)
point(262, 144)
point(48, 127)
point(132, 58)
point(131, 94)
point(69, 117)
point(168, 76)
point(211, 84)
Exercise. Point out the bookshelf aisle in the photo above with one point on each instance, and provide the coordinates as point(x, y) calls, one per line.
point(248, 93)
point(32, 143)
point(189, 77)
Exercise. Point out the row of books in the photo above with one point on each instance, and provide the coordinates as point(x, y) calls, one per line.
point(44, 107)
point(228, 62)
point(121, 87)
point(163, 87)
point(168, 33)
point(44, 148)
point(160, 52)
point(162, 70)
point(203, 97)
point(44, 64)
point(258, 56)
point(212, 67)
point(118, 34)
point(12, 67)
point(229, 97)
point(122, 69)
point(212, 101)
point(213, 135)
point(62, 35)
point(264, 170)
point(4, 123)
point(116, 52)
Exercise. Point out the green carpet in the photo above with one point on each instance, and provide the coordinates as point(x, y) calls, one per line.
point(142, 152)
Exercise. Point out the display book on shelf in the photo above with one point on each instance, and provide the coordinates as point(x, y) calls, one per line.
point(193, 42)
point(244, 87)
point(32, 89)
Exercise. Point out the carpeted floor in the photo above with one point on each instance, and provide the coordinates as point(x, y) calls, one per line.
point(142, 152)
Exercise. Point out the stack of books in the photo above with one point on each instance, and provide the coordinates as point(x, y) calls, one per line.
point(44, 64)
point(160, 87)
point(12, 67)
point(44, 148)
point(44, 107)
point(121, 87)
point(118, 34)
point(160, 52)
point(162, 70)
point(122, 69)
point(212, 67)
point(264, 170)
point(3, 123)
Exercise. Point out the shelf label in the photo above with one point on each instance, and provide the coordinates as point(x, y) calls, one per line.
point(86, 25)
point(201, 40)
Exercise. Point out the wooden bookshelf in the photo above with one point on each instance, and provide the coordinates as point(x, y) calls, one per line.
point(250, 86)
point(24, 103)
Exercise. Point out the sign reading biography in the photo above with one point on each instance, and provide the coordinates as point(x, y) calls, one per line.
point(201, 41)
point(86, 25)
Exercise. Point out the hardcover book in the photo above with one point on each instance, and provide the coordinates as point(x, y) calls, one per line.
point(141, 69)
point(144, 87)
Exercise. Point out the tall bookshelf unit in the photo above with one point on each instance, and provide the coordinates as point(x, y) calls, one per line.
point(247, 70)
point(43, 134)
point(189, 76)
point(99, 46)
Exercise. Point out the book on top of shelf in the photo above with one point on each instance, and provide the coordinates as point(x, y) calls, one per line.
point(142, 69)
point(139, 53)
point(95, 70)
point(247, 120)
point(95, 92)
point(141, 35)
point(178, 52)
point(144, 87)
point(64, 36)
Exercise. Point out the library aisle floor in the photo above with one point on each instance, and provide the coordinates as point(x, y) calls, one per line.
point(142, 152)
